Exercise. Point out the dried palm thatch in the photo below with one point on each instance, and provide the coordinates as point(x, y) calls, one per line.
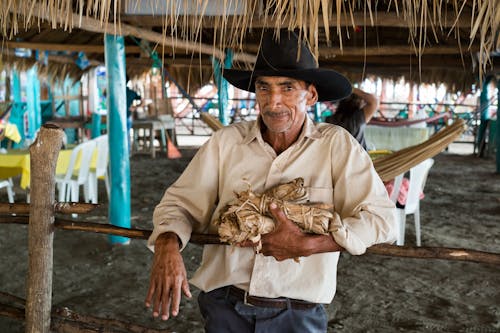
point(390, 166)
point(185, 20)
point(55, 71)
point(248, 217)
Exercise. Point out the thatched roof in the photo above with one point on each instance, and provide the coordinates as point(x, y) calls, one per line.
point(454, 41)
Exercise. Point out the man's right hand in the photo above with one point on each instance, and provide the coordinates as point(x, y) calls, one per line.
point(168, 277)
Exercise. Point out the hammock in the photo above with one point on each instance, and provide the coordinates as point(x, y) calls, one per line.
point(390, 166)
point(377, 122)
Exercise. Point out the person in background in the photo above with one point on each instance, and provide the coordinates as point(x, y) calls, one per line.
point(354, 112)
point(131, 97)
point(242, 289)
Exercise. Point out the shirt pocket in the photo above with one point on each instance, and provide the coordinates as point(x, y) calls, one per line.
point(320, 195)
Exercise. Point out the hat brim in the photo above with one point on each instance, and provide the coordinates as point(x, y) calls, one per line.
point(331, 85)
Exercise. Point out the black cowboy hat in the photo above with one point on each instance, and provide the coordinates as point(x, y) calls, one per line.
point(278, 57)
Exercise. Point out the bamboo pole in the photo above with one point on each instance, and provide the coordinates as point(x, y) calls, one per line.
point(445, 253)
point(44, 152)
point(58, 207)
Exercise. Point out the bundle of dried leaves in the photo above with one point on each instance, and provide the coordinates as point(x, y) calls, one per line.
point(248, 216)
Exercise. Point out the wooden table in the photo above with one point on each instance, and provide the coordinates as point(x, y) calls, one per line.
point(144, 134)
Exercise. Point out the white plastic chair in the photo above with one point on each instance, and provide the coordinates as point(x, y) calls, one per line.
point(68, 185)
point(101, 169)
point(418, 177)
point(7, 183)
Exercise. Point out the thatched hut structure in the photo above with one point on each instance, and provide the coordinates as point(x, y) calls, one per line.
point(455, 42)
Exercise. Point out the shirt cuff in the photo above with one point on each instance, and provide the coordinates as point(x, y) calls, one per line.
point(344, 237)
point(183, 231)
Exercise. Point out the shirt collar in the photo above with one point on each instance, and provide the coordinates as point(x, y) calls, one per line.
point(310, 130)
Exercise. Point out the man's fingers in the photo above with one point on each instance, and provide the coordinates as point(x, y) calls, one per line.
point(156, 303)
point(165, 304)
point(176, 296)
point(185, 288)
point(150, 294)
point(277, 213)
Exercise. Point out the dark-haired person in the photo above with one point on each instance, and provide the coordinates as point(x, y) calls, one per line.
point(242, 291)
point(354, 112)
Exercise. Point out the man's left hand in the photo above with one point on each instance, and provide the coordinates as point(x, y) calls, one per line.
point(288, 241)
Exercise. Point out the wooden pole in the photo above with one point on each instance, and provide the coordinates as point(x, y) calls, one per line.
point(44, 152)
point(421, 252)
point(58, 207)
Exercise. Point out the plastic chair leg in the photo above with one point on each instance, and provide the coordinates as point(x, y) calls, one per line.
point(75, 195)
point(106, 182)
point(61, 192)
point(402, 226)
point(10, 193)
point(416, 216)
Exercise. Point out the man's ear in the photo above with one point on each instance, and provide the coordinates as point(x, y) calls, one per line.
point(312, 95)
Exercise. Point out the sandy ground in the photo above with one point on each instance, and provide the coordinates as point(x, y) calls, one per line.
point(375, 293)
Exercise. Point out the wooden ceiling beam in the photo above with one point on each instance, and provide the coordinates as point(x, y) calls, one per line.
point(335, 51)
point(380, 19)
point(332, 52)
point(66, 47)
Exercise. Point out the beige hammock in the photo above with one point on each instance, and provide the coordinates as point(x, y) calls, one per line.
point(392, 165)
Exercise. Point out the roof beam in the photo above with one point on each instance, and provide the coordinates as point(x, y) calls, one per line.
point(335, 51)
point(380, 19)
point(66, 47)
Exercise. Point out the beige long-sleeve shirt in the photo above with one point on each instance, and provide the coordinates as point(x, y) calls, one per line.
point(335, 169)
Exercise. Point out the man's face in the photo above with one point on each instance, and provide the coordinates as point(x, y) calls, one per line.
point(283, 102)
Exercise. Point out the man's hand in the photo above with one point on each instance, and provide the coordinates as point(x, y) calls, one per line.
point(168, 277)
point(288, 241)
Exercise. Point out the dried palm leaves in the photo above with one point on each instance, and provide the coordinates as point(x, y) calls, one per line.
point(248, 217)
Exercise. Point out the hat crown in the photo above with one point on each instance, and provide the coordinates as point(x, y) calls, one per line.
point(285, 53)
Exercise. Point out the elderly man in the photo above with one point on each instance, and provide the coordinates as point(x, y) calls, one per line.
point(269, 291)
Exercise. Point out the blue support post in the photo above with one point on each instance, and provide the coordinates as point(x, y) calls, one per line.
point(222, 85)
point(17, 113)
point(119, 206)
point(95, 129)
point(34, 110)
point(317, 113)
point(483, 107)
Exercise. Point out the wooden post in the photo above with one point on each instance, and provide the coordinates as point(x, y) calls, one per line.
point(44, 152)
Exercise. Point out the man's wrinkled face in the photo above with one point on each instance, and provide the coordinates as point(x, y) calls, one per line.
point(283, 102)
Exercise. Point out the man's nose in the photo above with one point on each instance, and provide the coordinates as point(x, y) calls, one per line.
point(275, 98)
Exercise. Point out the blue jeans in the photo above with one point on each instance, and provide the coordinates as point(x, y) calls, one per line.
point(224, 313)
